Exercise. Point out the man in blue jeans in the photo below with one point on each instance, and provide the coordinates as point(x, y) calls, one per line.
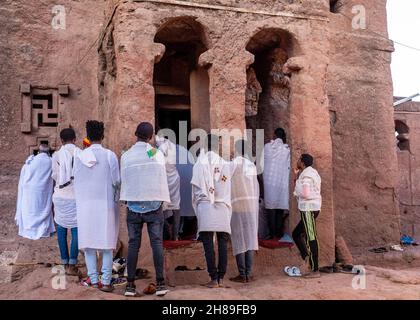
point(64, 200)
point(144, 186)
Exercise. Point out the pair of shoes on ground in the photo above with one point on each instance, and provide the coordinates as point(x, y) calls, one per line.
point(212, 284)
point(242, 279)
point(160, 290)
point(296, 272)
point(99, 285)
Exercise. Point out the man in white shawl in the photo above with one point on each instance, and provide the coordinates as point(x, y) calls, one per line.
point(245, 207)
point(96, 185)
point(211, 192)
point(168, 149)
point(64, 200)
point(34, 215)
point(276, 182)
point(144, 186)
point(308, 194)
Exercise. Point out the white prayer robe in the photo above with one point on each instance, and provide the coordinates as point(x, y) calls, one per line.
point(312, 180)
point(169, 151)
point(276, 175)
point(143, 177)
point(211, 192)
point(185, 168)
point(245, 207)
point(34, 215)
point(64, 201)
point(96, 181)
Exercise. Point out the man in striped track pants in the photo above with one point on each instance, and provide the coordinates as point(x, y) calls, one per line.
point(308, 194)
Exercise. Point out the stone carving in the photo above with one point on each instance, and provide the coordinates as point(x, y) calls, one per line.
point(252, 94)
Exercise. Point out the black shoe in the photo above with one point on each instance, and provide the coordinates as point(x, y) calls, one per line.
point(130, 290)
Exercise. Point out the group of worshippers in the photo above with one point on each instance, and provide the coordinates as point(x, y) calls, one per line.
point(84, 187)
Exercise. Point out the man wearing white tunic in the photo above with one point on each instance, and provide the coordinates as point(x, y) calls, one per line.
point(96, 184)
point(168, 149)
point(144, 186)
point(64, 200)
point(245, 207)
point(211, 192)
point(34, 215)
point(308, 194)
point(276, 182)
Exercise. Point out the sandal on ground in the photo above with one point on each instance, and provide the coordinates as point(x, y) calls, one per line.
point(327, 269)
point(379, 250)
point(150, 289)
point(292, 271)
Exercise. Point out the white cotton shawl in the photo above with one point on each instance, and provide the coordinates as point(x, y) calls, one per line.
point(34, 204)
point(207, 170)
point(211, 192)
point(276, 175)
point(245, 207)
point(143, 177)
point(87, 157)
point(169, 151)
point(96, 206)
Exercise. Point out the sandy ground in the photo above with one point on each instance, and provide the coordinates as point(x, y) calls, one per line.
point(392, 275)
point(380, 284)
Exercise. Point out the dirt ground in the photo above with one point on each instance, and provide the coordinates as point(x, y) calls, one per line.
point(380, 284)
point(392, 282)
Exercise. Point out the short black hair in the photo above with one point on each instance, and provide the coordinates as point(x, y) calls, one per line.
point(68, 135)
point(95, 130)
point(281, 134)
point(144, 131)
point(212, 142)
point(307, 159)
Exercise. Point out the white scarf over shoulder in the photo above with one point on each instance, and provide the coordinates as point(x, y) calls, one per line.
point(276, 175)
point(245, 207)
point(143, 174)
point(211, 192)
point(34, 204)
point(206, 172)
point(169, 151)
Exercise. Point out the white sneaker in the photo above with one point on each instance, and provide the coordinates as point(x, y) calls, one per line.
point(161, 290)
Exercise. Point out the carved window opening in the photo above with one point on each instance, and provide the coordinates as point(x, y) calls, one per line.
point(181, 85)
point(268, 87)
point(402, 134)
point(40, 115)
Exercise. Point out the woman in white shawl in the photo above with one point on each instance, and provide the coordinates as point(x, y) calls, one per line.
point(96, 184)
point(211, 192)
point(245, 207)
point(34, 215)
point(64, 200)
